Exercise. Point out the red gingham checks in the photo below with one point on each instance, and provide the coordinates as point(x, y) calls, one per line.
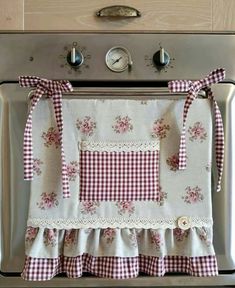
point(193, 87)
point(54, 90)
point(39, 269)
point(120, 176)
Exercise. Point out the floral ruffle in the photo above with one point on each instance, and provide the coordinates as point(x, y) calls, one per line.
point(39, 269)
point(45, 242)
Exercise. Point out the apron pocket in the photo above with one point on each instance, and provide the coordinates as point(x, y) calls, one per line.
point(119, 171)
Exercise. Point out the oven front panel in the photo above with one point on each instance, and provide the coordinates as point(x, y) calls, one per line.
point(45, 55)
point(192, 56)
point(15, 191)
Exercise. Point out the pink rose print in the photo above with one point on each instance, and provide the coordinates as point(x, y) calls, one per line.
point(197, 132)
point(51, 137)
point(125, 207)
point(180, 234)
point(156, 240)
point(48, 200)
point(193, 195)
point(122, 125)
point(162, 197)
point(173, 162)
point(160, 129)
point(49, 237)
point(89, 207)
point(70, 237)
point(31, 234)
point(72, 170)
point(86, 126)
point(133, 239)
point(109, 234)
point(37, 166)
point(204, 236)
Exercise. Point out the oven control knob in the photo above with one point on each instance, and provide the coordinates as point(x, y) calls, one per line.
point(161, 58)
point(75, 57)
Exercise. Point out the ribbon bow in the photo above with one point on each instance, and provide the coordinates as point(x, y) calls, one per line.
point(54, 90)
point(193, 87)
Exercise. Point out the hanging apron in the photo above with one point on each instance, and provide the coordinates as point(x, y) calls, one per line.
point(115, 192)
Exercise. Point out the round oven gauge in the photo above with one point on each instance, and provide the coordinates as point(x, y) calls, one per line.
point(118, 59)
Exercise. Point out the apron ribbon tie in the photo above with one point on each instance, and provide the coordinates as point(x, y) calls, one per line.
point(193, 88)
point(54, 90)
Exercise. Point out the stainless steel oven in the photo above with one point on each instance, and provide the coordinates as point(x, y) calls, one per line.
point(152, 60)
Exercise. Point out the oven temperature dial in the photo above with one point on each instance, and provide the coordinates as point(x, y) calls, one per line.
point(160, 61)
point(75, 58)
point(161, 58)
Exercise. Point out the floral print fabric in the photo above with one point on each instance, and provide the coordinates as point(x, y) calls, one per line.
point(125, 207)
point(51, 137)
point(155, 242)
point(122, 125)
point(86, 125)
point(197, 132)
point(37, 163)
point(193, 195)
point(48, 201)
point(160, 129)
point(122, 227)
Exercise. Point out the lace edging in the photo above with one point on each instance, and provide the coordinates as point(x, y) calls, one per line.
point(119, 146)
point(115, 223)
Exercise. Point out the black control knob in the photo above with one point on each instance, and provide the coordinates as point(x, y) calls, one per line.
point(75, 57)
point(161, 58)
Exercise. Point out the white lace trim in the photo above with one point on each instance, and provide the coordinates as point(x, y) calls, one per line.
point(119, 146)
point(116, 223)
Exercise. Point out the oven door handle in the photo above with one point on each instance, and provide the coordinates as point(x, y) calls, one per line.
point(112, 92)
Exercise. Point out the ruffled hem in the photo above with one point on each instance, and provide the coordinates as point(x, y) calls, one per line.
point(45, 243)
point(41, 269)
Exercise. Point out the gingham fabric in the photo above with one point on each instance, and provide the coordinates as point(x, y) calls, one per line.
point(39, 269)
point(193, 87)
point(120, 176)
point(54, 90)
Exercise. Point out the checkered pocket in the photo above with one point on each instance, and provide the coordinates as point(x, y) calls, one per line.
point(119, 171)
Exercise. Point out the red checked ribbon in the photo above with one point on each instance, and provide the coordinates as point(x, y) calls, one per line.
point(193, 87)
point(54, 90)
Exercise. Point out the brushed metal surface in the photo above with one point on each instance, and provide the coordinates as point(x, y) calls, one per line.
point(166, 281)
point(224, 201)
point(14, 193)
point(41, 55)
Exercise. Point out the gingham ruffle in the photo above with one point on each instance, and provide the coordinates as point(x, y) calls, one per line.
point(39, 269)
point(54, 90)
point(193, 87)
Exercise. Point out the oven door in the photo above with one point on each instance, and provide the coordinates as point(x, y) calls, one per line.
point(14, 195)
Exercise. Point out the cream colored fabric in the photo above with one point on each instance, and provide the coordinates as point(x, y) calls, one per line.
point(183, 193)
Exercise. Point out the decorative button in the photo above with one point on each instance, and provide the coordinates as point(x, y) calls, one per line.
point(184, 222)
